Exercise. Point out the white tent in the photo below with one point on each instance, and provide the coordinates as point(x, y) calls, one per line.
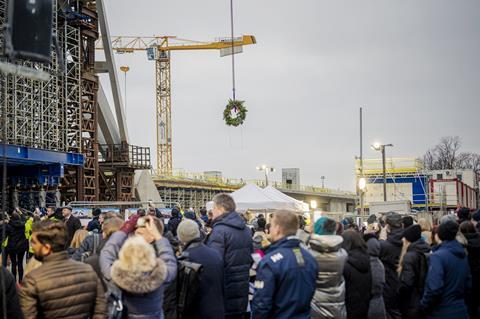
point(275, 193)
point(252, 197)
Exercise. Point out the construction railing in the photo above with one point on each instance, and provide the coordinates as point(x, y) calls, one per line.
point(125, 154)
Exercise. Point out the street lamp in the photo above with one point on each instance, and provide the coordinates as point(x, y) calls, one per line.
point(323, 181)
point(266, 169)
point(125, 69)
point(381, 148)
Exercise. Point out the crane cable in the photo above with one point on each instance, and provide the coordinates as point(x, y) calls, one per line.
point(233, 52)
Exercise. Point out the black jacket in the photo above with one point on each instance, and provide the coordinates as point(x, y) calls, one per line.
point(13, 305)
point(73, 224)
point(390, 251)
point(232, 239)
point(473, 249)
point(16, 236)
point(173, 224)
point(412, 279)
point(358, 280)
point(209, 297)
point(94, 224)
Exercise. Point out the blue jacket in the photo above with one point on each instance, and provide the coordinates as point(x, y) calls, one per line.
point(233, 240)
point(285, 282)
point(447, 282)
point(209, 298)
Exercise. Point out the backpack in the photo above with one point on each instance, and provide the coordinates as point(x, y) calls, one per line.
point(96, 243)
point(188, 283)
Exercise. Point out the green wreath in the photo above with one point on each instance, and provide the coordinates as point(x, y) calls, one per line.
point(240, 112)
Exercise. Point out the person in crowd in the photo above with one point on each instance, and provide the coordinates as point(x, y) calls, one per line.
point(456, 219)
point(285, 281)
point(426, 230)
point(357, 274)
point(232, 239)
point(412, 271)
point(448, 277)
point(54, 213)
point(390, 250)
point(109, 226)
point(77, 240)
point(203, 215)
point(208, 299)
point(407, 221)
point(371, 219)
point(260, 238)
point(302, 232)
point(476, 219)
point(473, 249)
point(174, 221)
point(73, 223)
point(376, 309)
point(463, 214)
point(78, 294)
point(94, 225)
point(208, 224)
point(17, 245)
point(12, 303)
point(190, 214)
point(348, 223)
point(326, 247)
point(32, 264)
point(91, 244)
point(140, 266)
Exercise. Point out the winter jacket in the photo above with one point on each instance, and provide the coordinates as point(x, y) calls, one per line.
point(209, 297)
point(87, 245)
point(390, 250)
point(447, 282)
point(358, 282)
point(412, 279)
point(329, 298)
point(73, 224)
point(174, 222)
point(233, 240)
point(94, 224)
point(139, 304)
point(376, 309)
point(79, 293)
point(16, 236)
point(473, 249)
point(13, 304)
point(285, 281)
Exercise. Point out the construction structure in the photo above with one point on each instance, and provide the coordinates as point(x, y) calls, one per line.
point(158, 49)
point(63, 141)
point(407, 180)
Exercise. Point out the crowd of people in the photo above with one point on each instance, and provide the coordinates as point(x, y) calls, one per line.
point(218, 264)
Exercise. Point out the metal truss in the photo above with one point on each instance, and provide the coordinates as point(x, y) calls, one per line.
point(164, 114)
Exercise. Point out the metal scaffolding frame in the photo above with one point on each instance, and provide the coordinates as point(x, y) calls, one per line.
point(164, 113)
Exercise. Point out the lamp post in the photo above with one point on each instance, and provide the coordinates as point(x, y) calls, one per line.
point(323, 181)
point(381, 148)
point(125, 69)
point(362, 185)
point(266, 169)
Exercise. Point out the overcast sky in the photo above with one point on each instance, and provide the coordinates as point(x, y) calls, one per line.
point(413, 65)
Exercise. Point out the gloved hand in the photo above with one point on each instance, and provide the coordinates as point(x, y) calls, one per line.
point(130, 225)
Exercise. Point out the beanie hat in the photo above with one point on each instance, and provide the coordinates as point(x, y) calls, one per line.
point(347, 222)
point(464, 214)
point(96, 212)
point(187, 231)
point(393, 219)
point(448, 230)
point(476, 215)
point(320, 229)
point(412, 233)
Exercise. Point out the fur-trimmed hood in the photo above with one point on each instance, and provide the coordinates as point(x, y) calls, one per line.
point(138, 270)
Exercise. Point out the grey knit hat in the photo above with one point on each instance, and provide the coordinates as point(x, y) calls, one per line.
point(187, 231)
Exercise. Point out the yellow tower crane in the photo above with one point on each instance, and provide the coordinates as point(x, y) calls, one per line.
point(158, 49)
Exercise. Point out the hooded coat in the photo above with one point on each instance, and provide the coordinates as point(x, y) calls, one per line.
point(447, 282)
point(412, 279)
point(232, 239)
point(358, 281)
point(174, 221)
point(473, 249)
point(376, 309)
point(17, 241)
point(329, 298)
point(142, 287)
point(390, 250)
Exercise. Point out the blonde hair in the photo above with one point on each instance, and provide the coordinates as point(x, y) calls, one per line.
point(111, 225)
point(425, 224)
point(78, 238)
point(405, 246)
point(137, 255)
